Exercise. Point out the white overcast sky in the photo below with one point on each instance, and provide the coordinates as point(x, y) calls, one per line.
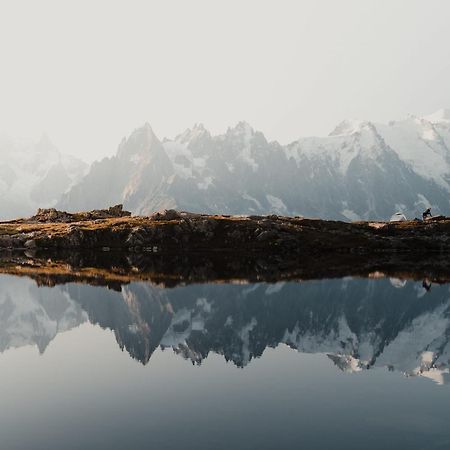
point(89, 72)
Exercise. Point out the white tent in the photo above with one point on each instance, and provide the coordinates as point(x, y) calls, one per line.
point(398, 217)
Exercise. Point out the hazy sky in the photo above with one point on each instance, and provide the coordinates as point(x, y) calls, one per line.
point(89, 72)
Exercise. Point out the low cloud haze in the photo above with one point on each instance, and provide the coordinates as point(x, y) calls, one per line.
point(88, 73)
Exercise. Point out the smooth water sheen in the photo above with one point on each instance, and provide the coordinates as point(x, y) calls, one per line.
point(342, 364)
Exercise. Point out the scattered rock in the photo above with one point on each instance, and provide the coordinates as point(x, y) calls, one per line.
point(436, 218)
point(50, 215)
point(166, 214)
point(117, 211)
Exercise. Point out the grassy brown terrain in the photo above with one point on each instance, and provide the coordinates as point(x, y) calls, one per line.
point(185, 232)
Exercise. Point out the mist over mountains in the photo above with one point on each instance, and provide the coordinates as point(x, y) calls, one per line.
point(362, 170)
point(34, 175)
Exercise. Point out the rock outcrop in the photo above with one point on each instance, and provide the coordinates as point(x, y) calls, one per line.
point(52, 215)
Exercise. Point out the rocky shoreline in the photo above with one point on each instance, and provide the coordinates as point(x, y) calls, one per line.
point(173, 232)
point(112, 247)
point(181, 232)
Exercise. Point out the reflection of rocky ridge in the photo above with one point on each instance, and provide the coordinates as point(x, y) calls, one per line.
point(34, 316)
point(361, 323)
point(138, 314)
point(358, 323)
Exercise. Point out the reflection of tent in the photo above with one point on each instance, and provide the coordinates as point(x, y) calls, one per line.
point(398, 283)
point(398, 217)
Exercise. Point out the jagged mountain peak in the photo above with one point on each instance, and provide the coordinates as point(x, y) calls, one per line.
point(199, 127)
point(352, 126)
point(46, 149)
point(142, 141)
point(143, 132)
point(45, 141)
point(440, 116)
point(241, 128)
point(147, 131)
point(192, 134)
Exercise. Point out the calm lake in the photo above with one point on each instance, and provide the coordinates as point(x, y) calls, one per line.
point(348, 363)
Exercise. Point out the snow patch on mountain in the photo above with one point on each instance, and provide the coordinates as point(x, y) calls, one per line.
point(416, 347)
point(252, 199)
point(205, 184)
point(439, 116)
point(244, 334)
point(335, 341)
point(276, 204)
point(245, 132)
point(350, 215)
point(427, 156)
point(274, 288)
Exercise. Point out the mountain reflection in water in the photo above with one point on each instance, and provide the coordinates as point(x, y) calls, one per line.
point(357, 323)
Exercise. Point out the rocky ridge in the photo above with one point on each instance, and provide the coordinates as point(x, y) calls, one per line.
point(173, 232)
point(359, 324)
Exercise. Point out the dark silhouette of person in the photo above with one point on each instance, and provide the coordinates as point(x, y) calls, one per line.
point(426, 213)
point(426, 284)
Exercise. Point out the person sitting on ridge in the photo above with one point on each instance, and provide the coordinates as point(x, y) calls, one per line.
point(426, 213)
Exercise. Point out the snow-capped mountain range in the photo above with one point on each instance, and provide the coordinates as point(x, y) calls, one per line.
point(34, 176)
point(362, 170)
point(358, 324)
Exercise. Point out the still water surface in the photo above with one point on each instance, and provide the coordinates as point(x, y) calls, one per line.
point(347, 363)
